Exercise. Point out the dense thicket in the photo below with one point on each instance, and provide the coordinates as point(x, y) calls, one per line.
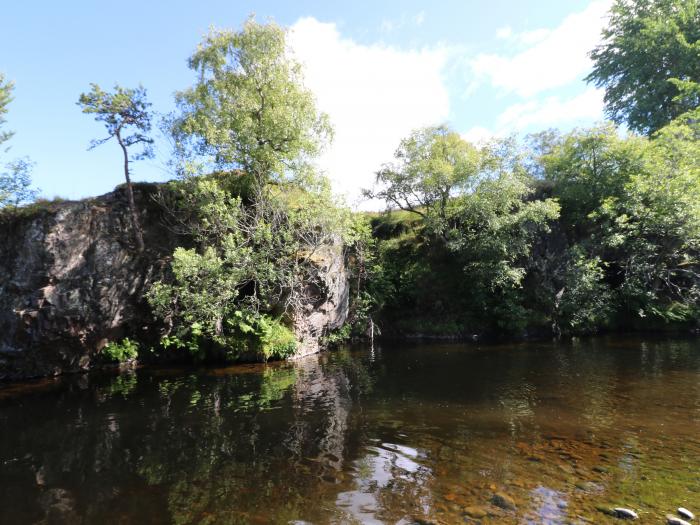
point(564, 233)
point(255, 227)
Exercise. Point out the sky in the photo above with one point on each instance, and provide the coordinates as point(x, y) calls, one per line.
point(379, 69)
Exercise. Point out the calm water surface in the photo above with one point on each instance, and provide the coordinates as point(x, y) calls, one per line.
point(405, 434)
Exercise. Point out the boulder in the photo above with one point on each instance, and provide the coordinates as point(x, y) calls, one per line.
point(625, 514)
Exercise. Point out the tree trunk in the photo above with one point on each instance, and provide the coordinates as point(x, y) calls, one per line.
point(130, 193)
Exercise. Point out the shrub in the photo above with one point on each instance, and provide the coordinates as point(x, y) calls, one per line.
point(121, 351)
point(276, 340)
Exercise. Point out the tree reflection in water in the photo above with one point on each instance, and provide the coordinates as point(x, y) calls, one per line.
point(392, 436)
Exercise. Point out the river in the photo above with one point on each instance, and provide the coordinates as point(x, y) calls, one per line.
point(551, 433)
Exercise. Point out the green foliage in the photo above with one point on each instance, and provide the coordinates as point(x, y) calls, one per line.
point(16, 185)
point(127, 117)
point(577, 232)
point(631, 205)
point(588, 165)
point(15, 180)
point(367, 282)
point(337, 337)
point(206, 285)
point(252, 265)
point(276, 340)
point(120, 352)
point(464, 260)
point(497, 225)
point(6, 88)
point(249, 109)
point(432, 165)
point(649, 62)
point(585, 303)
point(125, 113)
point(652, 232)
point(263, 222)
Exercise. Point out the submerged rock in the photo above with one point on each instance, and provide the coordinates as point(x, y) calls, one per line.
point(673, 520)
point(475, 512)
point(606, 510)
point(686, 513)
point(625, 514)
point(504, 501)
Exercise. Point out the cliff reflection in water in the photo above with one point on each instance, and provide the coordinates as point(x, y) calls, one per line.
point(529, 433)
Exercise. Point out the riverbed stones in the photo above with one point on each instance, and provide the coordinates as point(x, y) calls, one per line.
point(625, 514)
point(685, 513)
point(589, 486)
point(673, 520)
point(503, 501)
point(475, 512)
point(565, 467)
point(605, 510)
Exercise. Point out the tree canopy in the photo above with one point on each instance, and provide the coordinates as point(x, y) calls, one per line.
point(249, 109)
point(15, 175)
point(432, 166)
point(5, 99)
point(127, 117)
point(649, 62)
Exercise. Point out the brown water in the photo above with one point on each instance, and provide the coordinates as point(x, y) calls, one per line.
point(405, 434)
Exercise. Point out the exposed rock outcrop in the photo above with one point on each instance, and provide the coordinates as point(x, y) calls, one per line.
point(71, 280)
point(326, 305)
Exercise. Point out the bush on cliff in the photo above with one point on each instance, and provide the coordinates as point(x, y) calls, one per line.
point(121, 351)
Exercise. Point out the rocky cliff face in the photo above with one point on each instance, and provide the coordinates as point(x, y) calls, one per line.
point(326, 305)
point(71, 280)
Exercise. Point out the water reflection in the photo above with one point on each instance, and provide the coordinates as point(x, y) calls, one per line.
point(537, 433)
point(386, 472)
point(549, 507)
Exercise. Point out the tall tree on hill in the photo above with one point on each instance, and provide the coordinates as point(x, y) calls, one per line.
point(432, 165)
point(127, 117)
point(649, 62)
point(249, 109)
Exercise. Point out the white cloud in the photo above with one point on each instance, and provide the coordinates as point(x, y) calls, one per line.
point(374, 94)
point(553, 111)
point(504, 32)
point(478, 134)
point(529, 38)
point(525, 38)
point(537, 114)
point(555, 57)
point(389, 25)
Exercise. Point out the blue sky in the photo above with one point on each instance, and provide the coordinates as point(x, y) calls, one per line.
point(379, 69)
